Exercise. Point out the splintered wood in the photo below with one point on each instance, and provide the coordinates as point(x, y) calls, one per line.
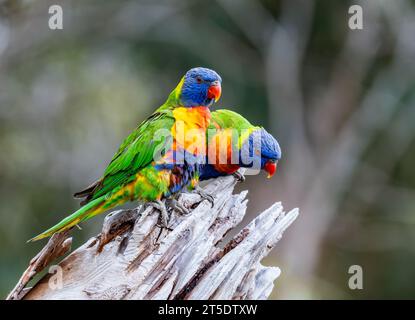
point(133, 258)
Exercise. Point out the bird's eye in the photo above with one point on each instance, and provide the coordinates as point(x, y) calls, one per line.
point(199, 80)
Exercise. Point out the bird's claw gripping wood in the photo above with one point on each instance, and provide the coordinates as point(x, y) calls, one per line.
point(115, 223)
point(176, 205)
point(161, 207)
point(239, 176)
point(204, 195)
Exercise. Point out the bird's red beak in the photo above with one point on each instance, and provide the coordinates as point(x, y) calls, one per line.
point(214, 91)
point(270, 167)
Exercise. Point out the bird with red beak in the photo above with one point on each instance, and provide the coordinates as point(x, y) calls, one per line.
point(200, 87)
point(270, 167)
point(257, 148)
point(215, 90)
point(266, 153)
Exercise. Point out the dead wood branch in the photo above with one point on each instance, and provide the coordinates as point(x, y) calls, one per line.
point(130, 259)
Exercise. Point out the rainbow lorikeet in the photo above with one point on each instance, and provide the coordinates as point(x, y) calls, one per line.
point(233, 142)
point(142, 169)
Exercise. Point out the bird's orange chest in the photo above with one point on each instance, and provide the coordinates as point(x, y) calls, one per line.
point(192, 118)
point(189, 130)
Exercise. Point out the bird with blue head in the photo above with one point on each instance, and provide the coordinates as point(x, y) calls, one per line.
point(261, 150)
point(201, 87)
point(138, 170)
point(231, 134)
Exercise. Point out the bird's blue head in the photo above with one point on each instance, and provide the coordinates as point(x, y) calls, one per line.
point(264, 151)
point(200, 87)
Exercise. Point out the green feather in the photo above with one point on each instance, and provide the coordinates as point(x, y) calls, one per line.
point(135, 154)
point(230, 119)
point(71, 220)
point(227, 119)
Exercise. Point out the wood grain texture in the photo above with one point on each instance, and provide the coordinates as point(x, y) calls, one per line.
point(131, 259)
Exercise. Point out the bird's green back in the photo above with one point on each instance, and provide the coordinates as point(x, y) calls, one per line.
point(227, 119)
point(138, 149)
point(136, 152)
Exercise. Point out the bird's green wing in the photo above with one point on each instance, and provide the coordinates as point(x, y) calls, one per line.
point(226, 119)
point(136, 152)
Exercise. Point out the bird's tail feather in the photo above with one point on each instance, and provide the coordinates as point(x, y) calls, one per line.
point(84, 213)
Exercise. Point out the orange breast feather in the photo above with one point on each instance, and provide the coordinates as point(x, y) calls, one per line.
point(189, 130)
point(223, 151)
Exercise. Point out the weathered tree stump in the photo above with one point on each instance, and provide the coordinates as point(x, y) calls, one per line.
point(133, 258)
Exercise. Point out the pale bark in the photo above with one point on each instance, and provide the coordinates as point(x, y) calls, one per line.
point(131, 259)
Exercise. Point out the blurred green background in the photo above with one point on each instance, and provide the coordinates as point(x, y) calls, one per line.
point(340, 102)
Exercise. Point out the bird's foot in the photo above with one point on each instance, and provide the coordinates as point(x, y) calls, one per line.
point(176, 205)
point(239, 176)
point(164, 215)
point(204, 195)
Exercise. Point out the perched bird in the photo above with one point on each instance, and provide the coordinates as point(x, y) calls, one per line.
point(233, 142)
point(145, 168)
